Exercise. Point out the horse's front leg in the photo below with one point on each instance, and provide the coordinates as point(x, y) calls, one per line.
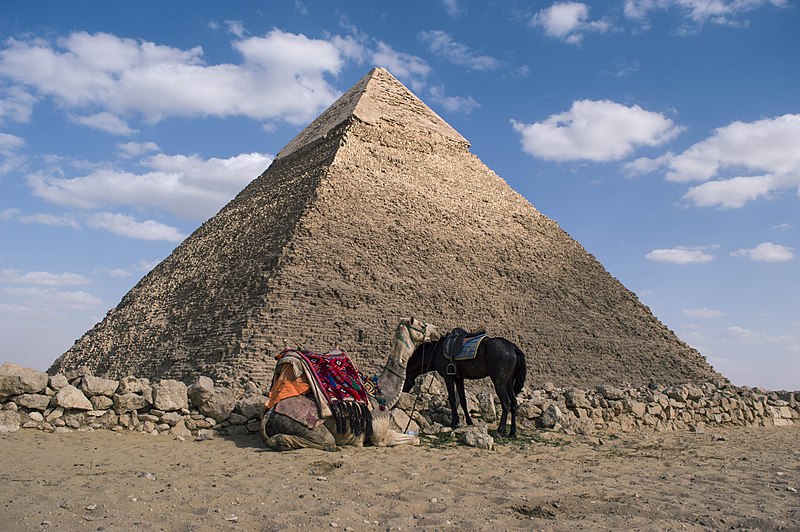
point(451, 398)
point(463, 399)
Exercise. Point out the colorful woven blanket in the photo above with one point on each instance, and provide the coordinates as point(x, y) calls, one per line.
point(340, 384)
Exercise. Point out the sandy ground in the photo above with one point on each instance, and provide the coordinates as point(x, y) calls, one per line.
point(722, 479)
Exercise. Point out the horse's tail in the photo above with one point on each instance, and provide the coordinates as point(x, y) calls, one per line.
point(520, 371)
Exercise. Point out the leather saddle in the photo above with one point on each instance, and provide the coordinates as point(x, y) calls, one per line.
point(453, 343)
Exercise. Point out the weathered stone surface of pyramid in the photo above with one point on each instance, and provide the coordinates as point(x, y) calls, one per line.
point(375, 212)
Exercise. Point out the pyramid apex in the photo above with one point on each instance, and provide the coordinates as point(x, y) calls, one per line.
point(378, 95)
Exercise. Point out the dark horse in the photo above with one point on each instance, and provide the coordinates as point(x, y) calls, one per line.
point(497, 358)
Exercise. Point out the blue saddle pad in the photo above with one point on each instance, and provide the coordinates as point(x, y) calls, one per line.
point(470, 349)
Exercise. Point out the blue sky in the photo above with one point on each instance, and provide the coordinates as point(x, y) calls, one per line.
point(663, 135)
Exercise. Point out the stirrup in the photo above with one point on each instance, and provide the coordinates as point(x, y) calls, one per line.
point(451, 369)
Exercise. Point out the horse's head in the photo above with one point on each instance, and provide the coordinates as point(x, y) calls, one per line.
point(421, 361)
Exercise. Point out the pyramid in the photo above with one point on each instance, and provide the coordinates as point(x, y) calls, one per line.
point(375, 212)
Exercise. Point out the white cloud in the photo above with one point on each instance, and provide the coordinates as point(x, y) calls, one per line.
point(568, 21)
point(698, 12)
point(454, 8)
point(42, 278)
point(135, 149)
point(10, 159)
point(704, 313)
point(735, 192)
point(235, 27)
point(125, 225)
point(281, 76)
point(645, 165)
point(768, 149)
point(187, 186)
point(49, 298)
point(16, 104)
point(742, 335)
point(10, 142)
point(117, 273)
point(39, 218)
point(409, 68)
point(595, 130)
point(442, 44)
point(104, 122)
point(765, 252)
point(454, 104)
point(680, 255)
point(768, 146)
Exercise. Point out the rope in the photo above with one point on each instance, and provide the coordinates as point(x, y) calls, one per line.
point(416, 399)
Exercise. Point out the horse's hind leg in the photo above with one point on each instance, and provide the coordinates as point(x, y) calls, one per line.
point(513, 401)
point(505, 404)
point(463, 399)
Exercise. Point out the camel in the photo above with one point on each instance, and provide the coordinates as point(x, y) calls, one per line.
point(282, 432)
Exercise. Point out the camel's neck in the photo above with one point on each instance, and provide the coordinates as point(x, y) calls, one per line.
point(407, 336)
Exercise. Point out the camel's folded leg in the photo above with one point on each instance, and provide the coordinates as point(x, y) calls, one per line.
point(282, 433)
point(383, 436)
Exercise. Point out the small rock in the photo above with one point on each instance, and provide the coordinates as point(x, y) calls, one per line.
point(9, 421)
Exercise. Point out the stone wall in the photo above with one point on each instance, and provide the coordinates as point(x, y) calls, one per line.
point(80, 401)
point(612, 409)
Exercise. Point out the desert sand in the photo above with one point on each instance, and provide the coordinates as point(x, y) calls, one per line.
point(740, 478)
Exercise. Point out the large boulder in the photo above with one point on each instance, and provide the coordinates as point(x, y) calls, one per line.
point(16, 380)
point(201, 391)
point(33, 401)
point(70, 397)
point(130, 385)
point(251, 406)
point(58, 381)
point(220, 405)
point(551, 417)
point(128, 402)
point(92, 386)
point(169, 395)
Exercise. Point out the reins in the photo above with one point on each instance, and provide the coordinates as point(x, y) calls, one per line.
point(416, 398)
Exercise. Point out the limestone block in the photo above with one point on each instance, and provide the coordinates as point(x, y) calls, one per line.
point(172, 418)
point(475, 437)
point(220, 405)
point(130, 385)
point(16, 380)
point(101, 402)
point(636, 408)
point(611, 393)
point(170, 395)
point(251, 406)
point(92, 386)
point(58, 381)
point(201, 391)
point(576, 398)
point(69, 397)
point(33, 401)
point(487, 407)
point(128, 402)
point(551, 417)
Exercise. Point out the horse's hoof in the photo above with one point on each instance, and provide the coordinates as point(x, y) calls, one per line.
point(469, 422)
